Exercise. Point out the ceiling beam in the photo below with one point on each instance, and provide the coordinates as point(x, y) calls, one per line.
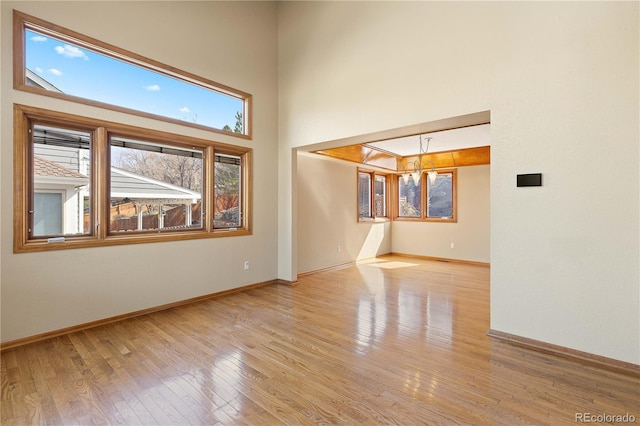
point(363, 154)
point(446, 159)
point(367, 155)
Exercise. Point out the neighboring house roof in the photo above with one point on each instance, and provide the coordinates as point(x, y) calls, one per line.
point(34, 79)
point(44, 167)
point(48, 172)
point(125, 184)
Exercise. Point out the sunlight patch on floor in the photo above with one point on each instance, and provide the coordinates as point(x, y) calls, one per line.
point(389, 265)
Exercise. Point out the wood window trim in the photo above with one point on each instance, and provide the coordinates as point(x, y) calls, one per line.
point(424, 199)
point(22, 21)
point(373, 217)
point(99, 234)
point(454, 199)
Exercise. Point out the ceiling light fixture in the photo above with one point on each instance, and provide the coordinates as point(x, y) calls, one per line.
point(417, 171)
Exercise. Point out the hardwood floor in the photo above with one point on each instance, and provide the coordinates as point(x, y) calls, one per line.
point(394, 341)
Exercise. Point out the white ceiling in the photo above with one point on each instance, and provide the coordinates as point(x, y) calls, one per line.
point(446, 140)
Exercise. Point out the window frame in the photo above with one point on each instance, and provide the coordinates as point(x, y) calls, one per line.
point(454, 203)
point(425, 199)
point(369, 216)
point(372, 179)
point(385, 203)
point(25, 117)
point(22, 22)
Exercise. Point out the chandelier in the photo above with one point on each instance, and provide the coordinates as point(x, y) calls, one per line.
point(417, 171)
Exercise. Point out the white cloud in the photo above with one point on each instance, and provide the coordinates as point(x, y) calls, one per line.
point(39, 70)
point(71, 52)
point(152, 88)
point(55, 72)
point(184, 109)
point(39, 38)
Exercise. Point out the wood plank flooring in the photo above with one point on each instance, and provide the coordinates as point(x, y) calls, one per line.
point(396, 341)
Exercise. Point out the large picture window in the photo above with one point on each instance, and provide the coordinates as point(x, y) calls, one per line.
point(82, 182)
point(154, 186)
point(426, 200)
point(57, 62)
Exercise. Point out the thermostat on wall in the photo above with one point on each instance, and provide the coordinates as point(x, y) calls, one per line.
point(531, 179)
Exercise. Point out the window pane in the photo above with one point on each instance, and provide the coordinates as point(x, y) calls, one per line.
point(61, 191)
point(154, 187)
point(440, 196)
point(409, 199)
point(364, 195)
point(380, 199)
point(47, 215)
point(228, 181)
point(63, 67)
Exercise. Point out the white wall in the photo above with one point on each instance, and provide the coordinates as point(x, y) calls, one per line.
point(561, 82)
point(233, 43)
point(328, 216)
point(470, 234)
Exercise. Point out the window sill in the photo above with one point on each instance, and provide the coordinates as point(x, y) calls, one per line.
point(441, 219)
point(113, 240)
point(373, 219)
point(408, 219)
point(426, 219)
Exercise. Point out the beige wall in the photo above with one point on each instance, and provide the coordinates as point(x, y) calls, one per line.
point(327, 216)
point(470, 234)
point(233, 43)
point(561, 82)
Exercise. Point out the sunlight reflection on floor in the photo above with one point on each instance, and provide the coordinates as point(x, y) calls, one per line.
point(389, 265)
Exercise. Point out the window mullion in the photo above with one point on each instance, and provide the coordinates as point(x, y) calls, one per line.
point(247, 184)
point(424, 194)
point(101, 182)
point(22, 181)
point(208, 189)
point(372, 197)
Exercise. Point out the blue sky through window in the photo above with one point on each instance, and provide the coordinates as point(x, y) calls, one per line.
point(81, 72)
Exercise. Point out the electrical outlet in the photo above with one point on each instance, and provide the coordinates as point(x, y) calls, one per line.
point(339, 249)
point(453, 245)
point(246, 264)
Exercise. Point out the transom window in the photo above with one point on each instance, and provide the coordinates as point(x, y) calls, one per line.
point(82, 182)
point(57, 62)
point(426, 200)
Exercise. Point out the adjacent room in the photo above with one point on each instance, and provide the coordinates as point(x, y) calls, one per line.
point(293, 212)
